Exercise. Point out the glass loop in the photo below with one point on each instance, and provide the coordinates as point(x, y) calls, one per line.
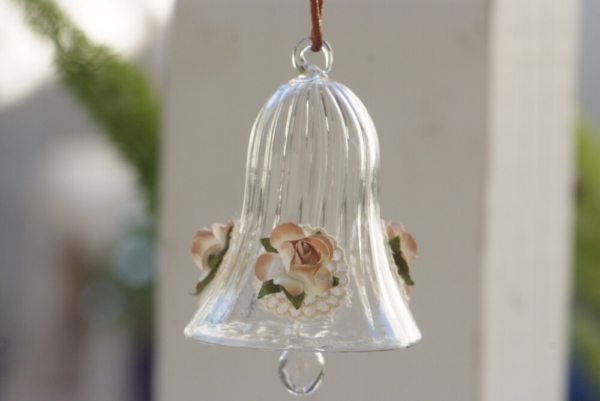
point(307, 68)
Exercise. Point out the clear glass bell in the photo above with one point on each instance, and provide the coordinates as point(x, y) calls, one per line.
point(312, 195)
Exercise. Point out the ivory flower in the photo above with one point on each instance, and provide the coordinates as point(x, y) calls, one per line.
point(208, 246)
point(408, 244)
point(404, 249)
point(300, 263)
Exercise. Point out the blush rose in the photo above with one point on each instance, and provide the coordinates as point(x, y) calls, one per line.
point(301, 262)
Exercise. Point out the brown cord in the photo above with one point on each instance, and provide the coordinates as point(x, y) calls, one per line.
point(316, 36)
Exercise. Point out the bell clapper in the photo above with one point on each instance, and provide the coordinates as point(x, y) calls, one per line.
point(301, 372)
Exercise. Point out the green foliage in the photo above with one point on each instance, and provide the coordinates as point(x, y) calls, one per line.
point(120, 98)
point(297, 300)
point(586, 324)
point(587, 243)
point(266, 243)
point(116, 92)
point(204, 283)
point(214, 261)
point(268, 287)
point(400, 261)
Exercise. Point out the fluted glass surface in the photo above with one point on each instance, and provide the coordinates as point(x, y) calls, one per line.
point(313, 159)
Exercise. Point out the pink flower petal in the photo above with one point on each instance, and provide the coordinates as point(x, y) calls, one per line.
point(268, 267)
point(287, 253)
point(293, 287)
point(320, 243)
point(408, 246)
point(326, 241)
point(309, 269)
point(203, 275)
point(221, 231)
point(285, 232)
point(393, 229)
point(306, 276)
point(323, 281)
point(204, 245)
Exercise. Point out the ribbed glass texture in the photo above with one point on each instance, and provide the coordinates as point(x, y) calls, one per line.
point(313, 159)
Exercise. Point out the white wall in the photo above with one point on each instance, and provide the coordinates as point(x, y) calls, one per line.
point(529, 190)
point(433, 75)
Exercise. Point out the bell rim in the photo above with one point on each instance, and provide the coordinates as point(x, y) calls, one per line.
point(333, 345)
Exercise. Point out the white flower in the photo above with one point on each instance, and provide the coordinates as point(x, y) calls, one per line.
point(300, 264)
point(405, 250)
point(408, 244)
point(207, 243)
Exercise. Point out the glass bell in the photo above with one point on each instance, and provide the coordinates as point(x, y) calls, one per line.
point(308, 265)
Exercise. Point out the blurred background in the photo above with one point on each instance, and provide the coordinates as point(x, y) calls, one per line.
point(83, 85)
point(79, 129)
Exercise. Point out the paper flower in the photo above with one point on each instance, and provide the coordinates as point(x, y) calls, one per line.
point(208, 249)
point(295, 263)
point(404, 248)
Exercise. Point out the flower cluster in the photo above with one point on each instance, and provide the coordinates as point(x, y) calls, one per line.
point(404, 249)
point(208, 249)
point(295, 263)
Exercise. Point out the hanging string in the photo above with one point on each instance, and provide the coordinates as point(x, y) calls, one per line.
point(316, 36)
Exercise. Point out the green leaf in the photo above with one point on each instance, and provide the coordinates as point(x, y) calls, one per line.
point(116, 93)
point(267, 288)
point(400, 261)
point(319, 232)
point(204, 283)
point(336, 281)
point(266, 242)
point(395, 244)
point(297, 300)
point(214, 261)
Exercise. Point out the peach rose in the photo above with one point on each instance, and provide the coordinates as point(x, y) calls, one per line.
point(404, 249)
point(209, 243)
point(300, 264)
point(408, 244)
